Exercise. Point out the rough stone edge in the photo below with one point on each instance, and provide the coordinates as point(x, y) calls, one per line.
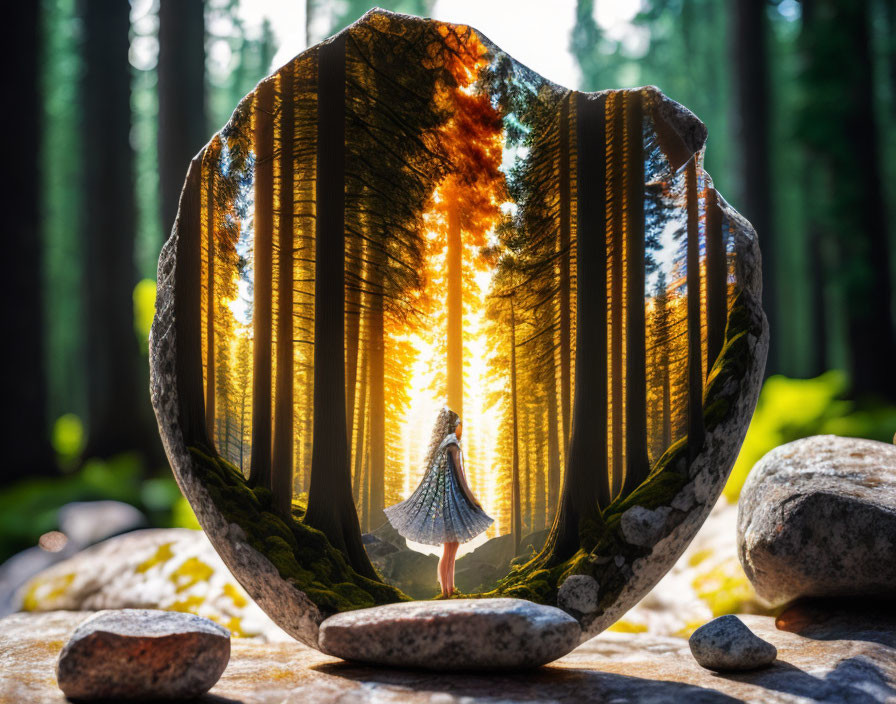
point(710, 470)
point(288, 607)
point(303, 621)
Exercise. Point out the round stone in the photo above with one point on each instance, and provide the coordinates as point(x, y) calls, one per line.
point(817, 518)
point(457, 634)
point(725, 643)
point(578, 593)
point(142, 654)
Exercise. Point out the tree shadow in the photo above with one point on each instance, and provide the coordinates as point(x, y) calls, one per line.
point(545, 683)
point(855, 680)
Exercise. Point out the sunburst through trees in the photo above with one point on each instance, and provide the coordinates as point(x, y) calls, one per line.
point(404, 217)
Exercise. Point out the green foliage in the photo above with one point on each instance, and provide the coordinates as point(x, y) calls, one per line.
point(30, 508)
point(790, 409)
point(68, 438)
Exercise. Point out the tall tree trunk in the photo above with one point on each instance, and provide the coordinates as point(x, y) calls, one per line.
point(553, 444)
point(585, 483)
point(361, 417)
point(564, 284)
point(30, 453)
point(516, 524)
point(637, 464)
point(696, 431)
point(353, 283)
point(750, 42)
point(263, 136)
point(376, 517)
point(119, 412)
point(284, 408)
point(616, 158)
point(330, 506)
point(862, 233)
point(187, 316)
point(716, 279)
point(181, 89)
point(211, 167)
point(455, 335)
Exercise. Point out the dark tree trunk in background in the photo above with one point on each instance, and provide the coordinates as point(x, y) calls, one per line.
point(585, 483)
point(750, 42)
point(119, 415)
point(842, 146)
point(637, 465)
point(565, 256)
point(330, 506)
point(864, 246)
point(182, 117)
point(263, 138)
point(377, 447)
point(516, 523)
point(696, 431)
point(284, 410)
point(30, 454)
point(553, 443)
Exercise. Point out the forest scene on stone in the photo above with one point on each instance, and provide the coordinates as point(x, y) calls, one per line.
point(404, 217)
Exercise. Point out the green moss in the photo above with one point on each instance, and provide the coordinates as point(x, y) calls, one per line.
point(302, 555)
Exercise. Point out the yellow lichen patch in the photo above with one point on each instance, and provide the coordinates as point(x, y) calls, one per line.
point(688, 629)
point(725, 589)
point(190, 605)
point(628, 627)
point(235, 595)
point(190, 572)
point(235, 626)
point(699, 557)
point(163, 554)
point(40, 594)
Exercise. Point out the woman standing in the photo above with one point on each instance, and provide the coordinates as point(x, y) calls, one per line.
point(442, 510)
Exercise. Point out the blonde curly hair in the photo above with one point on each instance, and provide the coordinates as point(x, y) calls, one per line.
point(446, 423)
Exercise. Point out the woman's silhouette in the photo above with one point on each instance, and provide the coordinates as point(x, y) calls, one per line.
point(442, 510)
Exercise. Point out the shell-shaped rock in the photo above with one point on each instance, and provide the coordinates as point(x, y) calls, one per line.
point(362, 201)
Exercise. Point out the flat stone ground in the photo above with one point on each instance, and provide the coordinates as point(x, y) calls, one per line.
point(823, 655)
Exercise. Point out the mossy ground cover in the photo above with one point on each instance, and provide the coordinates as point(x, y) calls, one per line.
point(302, 555)
point(602, 538)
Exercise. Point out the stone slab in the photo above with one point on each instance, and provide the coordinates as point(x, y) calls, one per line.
point(455, 634)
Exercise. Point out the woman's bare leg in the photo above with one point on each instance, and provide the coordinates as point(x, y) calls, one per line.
point(443, 570)
point(451, 552)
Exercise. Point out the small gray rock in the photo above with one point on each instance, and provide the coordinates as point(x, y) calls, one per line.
point(456, 634)
point(817, 518)
point(578, 593)
point(725, 643)
point(643, 527)
point(142, 654)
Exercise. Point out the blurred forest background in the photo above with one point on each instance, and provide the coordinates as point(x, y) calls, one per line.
point(112, 98)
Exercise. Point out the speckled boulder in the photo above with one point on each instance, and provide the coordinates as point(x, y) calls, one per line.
point(457, 634)
point(172, 569)
point(142, 654)
point(817, 517)
point(725, 643)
